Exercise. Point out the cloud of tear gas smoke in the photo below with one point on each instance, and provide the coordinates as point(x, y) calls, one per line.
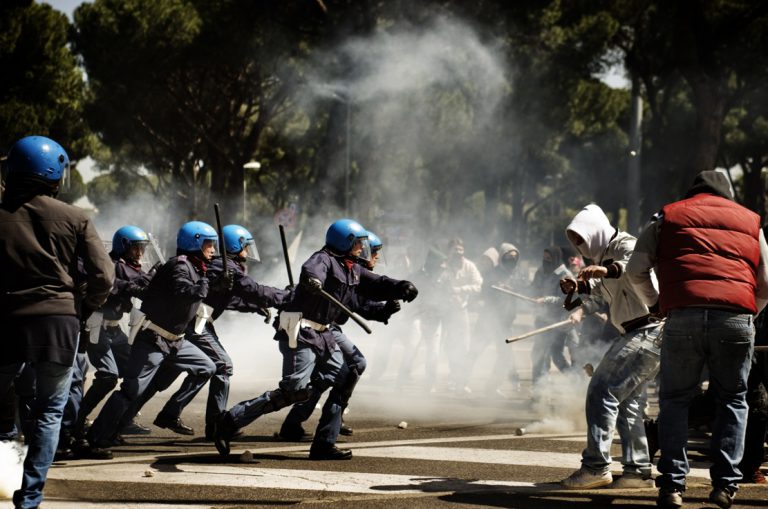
point(400, 85)
point(411, 98)
point(11, 467)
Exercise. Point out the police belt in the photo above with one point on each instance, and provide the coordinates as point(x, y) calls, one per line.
point(319, 327)
point(110, 323)
point(162, 332)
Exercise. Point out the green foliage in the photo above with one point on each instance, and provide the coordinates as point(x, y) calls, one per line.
point(41, 90)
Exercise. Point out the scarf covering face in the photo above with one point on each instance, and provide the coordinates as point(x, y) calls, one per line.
point(592, 225)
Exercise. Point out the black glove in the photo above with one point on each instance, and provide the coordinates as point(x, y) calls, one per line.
point(138, 286)
point(266, 313)
point(407, 290)
point(223, 283)
point(312, 285)
point(151, 272)
point(392, 307)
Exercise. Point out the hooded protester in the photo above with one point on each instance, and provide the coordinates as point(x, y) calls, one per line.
point(710, 256)
point(616, 393)
point(496, 313)
point(550, 347)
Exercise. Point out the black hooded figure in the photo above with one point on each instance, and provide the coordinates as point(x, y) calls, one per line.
point(550, 347)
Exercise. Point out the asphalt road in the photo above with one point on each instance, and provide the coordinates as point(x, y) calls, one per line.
point(457, 450)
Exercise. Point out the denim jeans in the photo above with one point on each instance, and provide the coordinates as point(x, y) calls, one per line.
point(52, 389)
point(616, 399)
point(722, 341)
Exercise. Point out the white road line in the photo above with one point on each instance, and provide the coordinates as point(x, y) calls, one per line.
point(492, 456)
point(278, 478)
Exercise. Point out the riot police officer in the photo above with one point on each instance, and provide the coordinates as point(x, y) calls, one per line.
point(310, 339)
point(170, 303)
point(108, 348)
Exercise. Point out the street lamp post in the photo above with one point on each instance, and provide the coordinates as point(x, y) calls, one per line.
point(250, 165)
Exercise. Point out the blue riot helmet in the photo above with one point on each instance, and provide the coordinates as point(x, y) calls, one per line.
point(37, 158)
point(344, 234)
point(126, 237)
point(375, 242)
point(193, 234)
point(237, 239)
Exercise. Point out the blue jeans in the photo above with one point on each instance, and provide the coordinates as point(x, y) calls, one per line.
point(75, 398)
point(52, 389)
point(616, 399)
point(722, 341)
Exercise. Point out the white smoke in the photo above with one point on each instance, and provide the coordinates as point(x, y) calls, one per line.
point(11, 467)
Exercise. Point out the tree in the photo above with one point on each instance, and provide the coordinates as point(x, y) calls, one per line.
point(42, 90)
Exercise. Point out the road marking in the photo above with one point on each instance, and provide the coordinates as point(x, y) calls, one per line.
point(492, 456)
point(279, 478)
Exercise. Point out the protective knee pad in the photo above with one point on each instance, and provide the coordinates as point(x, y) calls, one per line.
point(348, 387)
point(105, 383)
point(280, 398)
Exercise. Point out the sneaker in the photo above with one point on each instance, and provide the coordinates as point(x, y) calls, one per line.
point(175, 425)
point(135, 428)
point(631, 482)
point(584, 479)
point(723, 497)
point(329, 452)
point(670, 499)
point(756, 477)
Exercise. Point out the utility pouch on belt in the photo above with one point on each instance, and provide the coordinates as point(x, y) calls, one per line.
point(135, 323)
point(290, 321)
point(204, 314)
point(94, 326)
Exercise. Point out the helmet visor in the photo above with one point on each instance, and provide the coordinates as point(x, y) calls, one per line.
point(251, 253)
point(361, 249)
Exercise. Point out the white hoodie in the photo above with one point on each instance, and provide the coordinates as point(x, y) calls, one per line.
point(606, 246)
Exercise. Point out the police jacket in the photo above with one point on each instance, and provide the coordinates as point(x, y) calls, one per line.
point(40, 239)
point(345, 280)
point(246, 295)
point(175, 293)
point(130, 281)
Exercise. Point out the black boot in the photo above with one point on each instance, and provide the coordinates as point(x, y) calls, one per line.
point(326, 451)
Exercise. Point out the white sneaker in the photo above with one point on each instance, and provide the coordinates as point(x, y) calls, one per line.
point(583, 479)
point(631, 482)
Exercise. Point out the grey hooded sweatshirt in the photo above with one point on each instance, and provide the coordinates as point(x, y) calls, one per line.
point(607, 246)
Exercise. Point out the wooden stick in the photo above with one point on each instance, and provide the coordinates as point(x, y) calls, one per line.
point(548, 328)
point(514, 294)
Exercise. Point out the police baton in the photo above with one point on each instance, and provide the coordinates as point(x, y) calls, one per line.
point(222, 242)
point(354, 316)
point(285, 254)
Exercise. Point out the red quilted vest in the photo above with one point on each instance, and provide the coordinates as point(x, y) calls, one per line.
point(708, 254)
